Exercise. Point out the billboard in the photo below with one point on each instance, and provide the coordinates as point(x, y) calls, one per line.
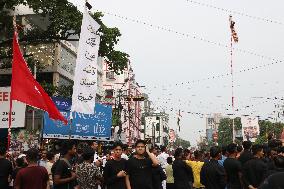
point(250, 128)
point(18, 110)
point(83, 127)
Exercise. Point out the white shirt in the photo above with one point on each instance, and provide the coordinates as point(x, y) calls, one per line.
point(124, 156)
point(163, 159)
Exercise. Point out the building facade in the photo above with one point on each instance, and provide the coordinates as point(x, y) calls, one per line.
point(212, 125)
point(121, 91)
point(156, 128)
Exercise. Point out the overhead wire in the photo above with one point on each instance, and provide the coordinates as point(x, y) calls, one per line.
point(235, 12)
point(189, 36)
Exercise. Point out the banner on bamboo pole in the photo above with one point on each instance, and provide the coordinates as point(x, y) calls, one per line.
point(250, 128)
point(18, 113)
point(85, 78)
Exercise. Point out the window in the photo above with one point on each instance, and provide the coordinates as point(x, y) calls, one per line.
point(110, 75)
point(158, 127)
point(109, 93)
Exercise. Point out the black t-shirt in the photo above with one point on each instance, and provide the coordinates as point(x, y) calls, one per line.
point(254, 172)
point(111, 169)
point(233, 167)
point(140, 173)
point(61, 168)
point(245, 156)
point(6, 169)
point(275, 181)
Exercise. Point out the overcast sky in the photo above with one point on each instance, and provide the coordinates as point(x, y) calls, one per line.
point(161, 59)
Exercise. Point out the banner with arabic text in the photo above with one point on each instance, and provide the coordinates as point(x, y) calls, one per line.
point(85, 79)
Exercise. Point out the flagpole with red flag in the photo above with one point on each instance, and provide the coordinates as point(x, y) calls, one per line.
point(25, 89)
point(10, 98)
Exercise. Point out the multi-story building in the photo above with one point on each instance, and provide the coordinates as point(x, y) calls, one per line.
point(156, 127)
point(212, 124)
point(121, 91)
point(57, 60)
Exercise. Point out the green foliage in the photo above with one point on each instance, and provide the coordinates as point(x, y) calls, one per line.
point(63, 21)
point(181, 142)
point(261, 140)
point(225, 132)
point(266, 128)
point(205, 146)
point(62, 91)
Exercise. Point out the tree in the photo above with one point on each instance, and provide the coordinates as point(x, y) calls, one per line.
point(181, 142)
point(225, 130)
point(266, 128)
point(63, 23)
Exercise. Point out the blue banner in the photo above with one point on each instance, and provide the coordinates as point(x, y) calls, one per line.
point(62, 103)
point(83, 127)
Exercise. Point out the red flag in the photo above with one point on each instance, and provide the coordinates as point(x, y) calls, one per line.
point(26, 89)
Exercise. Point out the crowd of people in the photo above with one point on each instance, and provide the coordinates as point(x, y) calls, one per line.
point(78, 166)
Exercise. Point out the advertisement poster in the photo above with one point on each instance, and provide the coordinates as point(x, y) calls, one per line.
point(18, 110)
point(250, 128)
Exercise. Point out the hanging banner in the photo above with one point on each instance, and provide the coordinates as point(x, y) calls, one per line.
point(85, 78)
point(18, 111)
point(84, 126)
point(250, 128)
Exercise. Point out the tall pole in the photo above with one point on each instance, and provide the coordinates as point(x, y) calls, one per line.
point(33, 116)
point(232, 82)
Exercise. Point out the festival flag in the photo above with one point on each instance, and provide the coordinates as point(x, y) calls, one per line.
point(24, 88)
point(233, 31)
point(85, 78)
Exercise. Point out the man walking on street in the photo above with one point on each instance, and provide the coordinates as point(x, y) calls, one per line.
point(6, 168)
point(33, 176)
point(115, 169)
point(139, 167)
point(212, 173)
point(255, 170)
point(63, 175)
point(233, 168)
point(196, 166)
point(246, 155)
point(183, 176)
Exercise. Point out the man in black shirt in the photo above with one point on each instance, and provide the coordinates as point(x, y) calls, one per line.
point(255, 170)
point(115, 169)
point(275, 181)
point(183, 176)
point(6, 169)
point(233, 168)
point(212, 173)
point(139, 167)
point(63, 175)
point(246, 154)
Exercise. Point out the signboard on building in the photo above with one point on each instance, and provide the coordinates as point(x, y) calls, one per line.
point(250, 128)
point(84, 126)
point(18, 111)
